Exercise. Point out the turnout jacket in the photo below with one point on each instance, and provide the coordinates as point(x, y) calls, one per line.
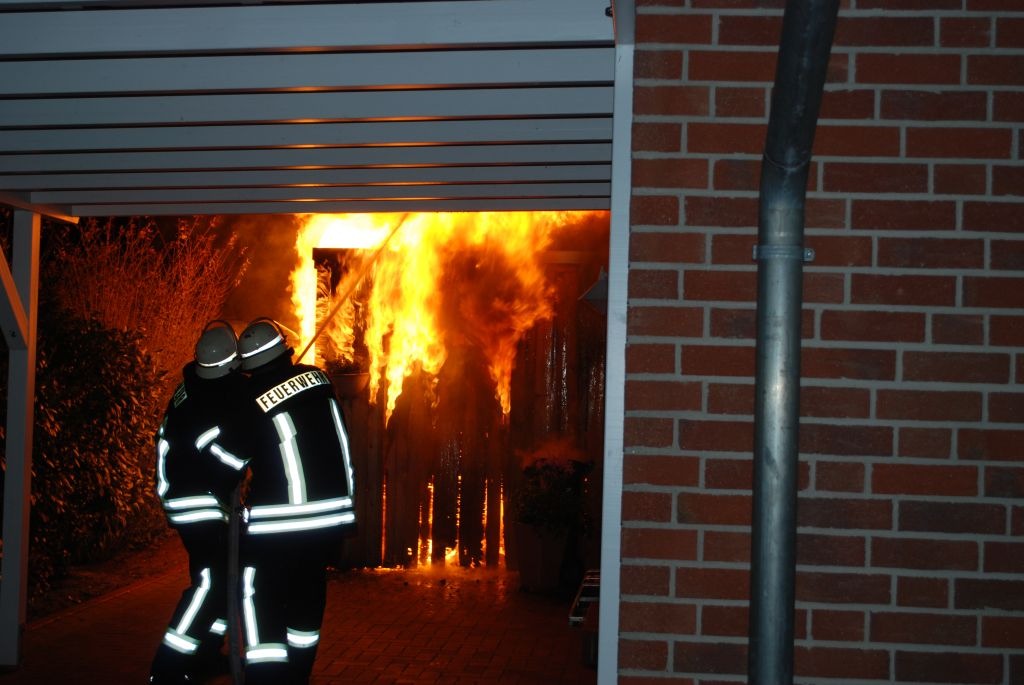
point(300, 466)
point(199, 454)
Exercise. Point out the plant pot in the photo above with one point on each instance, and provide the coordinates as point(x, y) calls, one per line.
point(540, 553)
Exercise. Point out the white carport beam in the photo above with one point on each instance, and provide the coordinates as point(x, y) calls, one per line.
point(391, 105)
point(293, 135)
point(21, 381)
point(323, 27)
point(332, 71)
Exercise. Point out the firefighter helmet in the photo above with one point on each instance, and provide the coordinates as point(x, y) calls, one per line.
point(261, 341)
point(216, 350)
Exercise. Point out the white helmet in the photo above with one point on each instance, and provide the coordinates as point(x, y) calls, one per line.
point(261, 341)
point(216, 350)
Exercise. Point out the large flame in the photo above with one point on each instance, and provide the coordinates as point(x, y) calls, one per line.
point(427, 282)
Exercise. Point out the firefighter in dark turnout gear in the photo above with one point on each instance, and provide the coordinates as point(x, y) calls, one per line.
point(299, 506)
point(199, 462)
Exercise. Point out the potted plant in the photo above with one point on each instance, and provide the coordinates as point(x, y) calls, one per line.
point(547, 511)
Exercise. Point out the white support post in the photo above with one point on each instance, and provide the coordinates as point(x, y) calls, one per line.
point(20, 404)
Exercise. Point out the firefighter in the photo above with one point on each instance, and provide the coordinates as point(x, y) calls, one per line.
point(199, 463)
point(299, 506)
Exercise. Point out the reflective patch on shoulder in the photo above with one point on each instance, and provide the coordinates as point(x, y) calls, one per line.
point(179, 395)
point(293, 386)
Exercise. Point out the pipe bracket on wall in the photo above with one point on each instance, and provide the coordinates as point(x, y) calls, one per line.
point(804, 254)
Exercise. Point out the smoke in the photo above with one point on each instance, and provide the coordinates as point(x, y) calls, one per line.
point(265, 288)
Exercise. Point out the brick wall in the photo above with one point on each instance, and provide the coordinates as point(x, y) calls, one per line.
point(911, 510)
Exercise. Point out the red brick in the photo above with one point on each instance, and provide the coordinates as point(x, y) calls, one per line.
point(903, 290)
point(714, 583)
point(673, 28)
point(924, 554)
point(838, 476)
point(842, 588)
point(965, 32)
point(726, 65)
point(729, 248)
point(645, 580)
point(737, 174)
point(962, 668)
point(952, 517)
point(885, 31)
point(857, 141)
point(845, 513)
point(1008, 106)
point(926, 405)
point(922, 628)
point(730, 398)
point(660, 284)
point(824, 288)
point(908, 68)
point(1009, 331)
point(965, 143)
point(825, 213)
point(654, 210)
point(1004, 557)
point(720, 286)
point(648, 432)
point(986, 593)
point(663, 246)
point(848, 104)
point(647, 655)
point(922, 592)
point(725, 138)
point(998, 445)
point(995, 70)
point(886, 326)
point(861, 364)
point(925, 253)
point(919, 479)
point(658, 64)
point(661, 470)
point(665, 321)
point(956, 367)
point(1010, 32)
point(925, 443)
point(1007, 180)
point(903, 215)
point(715, 436)
point(1004, 482)
point(649, 507)
point(829, 550)
point(981, 291)
point(837, 626)
point(838, 402)
point(650, 358)
point(853, 177)
point(947, 105)
point(671, 100)
point(914, 5)
point(728, 474)
point(836, 662)
point(958, 329)
point(746, 30)
point(835, 250)
point(709, 657)
point(718, 360)
point(1017, 521)
point(1006, 407)
point(960, 179)
point(657, 137)
point(730, 212)
point(733, 323)
point(660, 617)
point(726, 546)
point(993, 216)
point(1002, 632)
point(1007, 254)
point(659, 543)
point(740, 102)
point(649, 395)
point(670, 173)
point(850, 440)
point(717, 510)
point(728, 621)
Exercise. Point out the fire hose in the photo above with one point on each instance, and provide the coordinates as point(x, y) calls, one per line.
point(352, 286)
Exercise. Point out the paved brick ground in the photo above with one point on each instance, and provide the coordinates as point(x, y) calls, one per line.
point(400, 627)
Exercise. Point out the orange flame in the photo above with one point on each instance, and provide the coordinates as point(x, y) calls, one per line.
point(434, 280)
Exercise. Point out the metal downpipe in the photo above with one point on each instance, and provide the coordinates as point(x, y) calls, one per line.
point(807, 30)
